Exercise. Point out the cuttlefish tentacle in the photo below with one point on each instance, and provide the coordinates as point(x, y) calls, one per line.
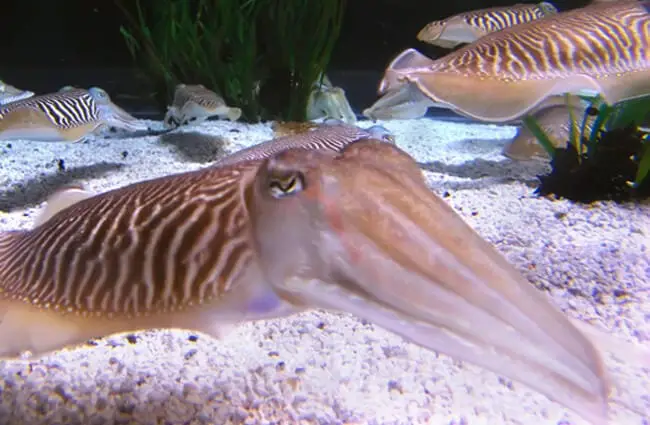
point(602, 48)
point(468, 27)
point(368, 237)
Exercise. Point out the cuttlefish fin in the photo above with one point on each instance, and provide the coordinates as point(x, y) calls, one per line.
point(60, 200)
point(497, 100)
point(408, 60)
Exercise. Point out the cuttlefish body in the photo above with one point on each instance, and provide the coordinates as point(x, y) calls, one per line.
point(601, 48)
point(194, 103)
point(468, 27)
point(355, 231)
point(69, 115)
point(9, 93)
point(331, 134)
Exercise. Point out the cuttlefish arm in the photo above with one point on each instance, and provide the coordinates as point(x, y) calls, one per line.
point(404, 102)
point(507, 74)
point(368, 237)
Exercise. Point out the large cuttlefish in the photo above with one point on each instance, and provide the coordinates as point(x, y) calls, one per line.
point(356, 231)
point(601, 48)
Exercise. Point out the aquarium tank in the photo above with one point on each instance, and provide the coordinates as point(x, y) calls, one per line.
point(325, 212)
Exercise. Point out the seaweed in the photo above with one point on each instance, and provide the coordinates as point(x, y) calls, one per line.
point(612, 162)
point(235, 48)
point(607, 173)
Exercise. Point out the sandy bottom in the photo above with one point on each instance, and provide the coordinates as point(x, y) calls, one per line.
point(321, 368)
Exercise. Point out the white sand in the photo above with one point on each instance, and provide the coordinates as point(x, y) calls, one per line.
point(320, 368)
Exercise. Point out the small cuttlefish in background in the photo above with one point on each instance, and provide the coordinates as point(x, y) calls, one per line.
point(69, 115)
point(468, 27)
point(328, 101)
point(9, 93)
point(556, 123)
point(193, 103)
point(212, 248)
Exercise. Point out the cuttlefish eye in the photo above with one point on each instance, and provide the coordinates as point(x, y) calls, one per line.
point(285, 185)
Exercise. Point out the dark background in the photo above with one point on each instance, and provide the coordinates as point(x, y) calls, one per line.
point(46, 44)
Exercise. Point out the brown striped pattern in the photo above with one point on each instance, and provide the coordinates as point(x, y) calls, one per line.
point(496, 19)
point(156, 246)
point(601, 39)
point(198, 94)
point(67, 109)
point(328, 137)
point(489, 20)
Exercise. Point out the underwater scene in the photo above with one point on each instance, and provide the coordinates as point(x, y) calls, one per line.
point(272, 212)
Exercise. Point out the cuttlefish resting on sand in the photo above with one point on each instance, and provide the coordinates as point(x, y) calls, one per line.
point(9, 93)
point(556, 123)
point(603, 48)
point(468, 27)
point(356, 231)
point(70, 115)
point(329, 101)
point(194, 103)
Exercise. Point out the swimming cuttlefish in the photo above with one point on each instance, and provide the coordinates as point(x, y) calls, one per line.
point(9, 93)
point(355, 230)
point(193, 103)
point(328, 101)
point(468, 27)
point(602, 48)
point(69, 115)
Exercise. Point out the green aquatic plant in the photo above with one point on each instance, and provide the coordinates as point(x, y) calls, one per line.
point(209, 42)
point(301, 35)
point(626, 114)
point(235, 48)
point(609, 162)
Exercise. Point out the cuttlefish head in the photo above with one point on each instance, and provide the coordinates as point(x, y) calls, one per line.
point(112, 115)
point(360, 232)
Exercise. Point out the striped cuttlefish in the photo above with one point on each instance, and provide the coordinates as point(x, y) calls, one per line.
point(353, 229)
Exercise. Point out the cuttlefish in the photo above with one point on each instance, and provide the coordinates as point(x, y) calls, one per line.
point(69, 115)
point(556, 123)
point(329, 101)
point(9, 93)
point(194, 103)
point(602, 48)
point(356, 231)
point(468, 27)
